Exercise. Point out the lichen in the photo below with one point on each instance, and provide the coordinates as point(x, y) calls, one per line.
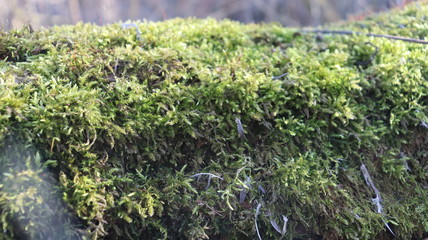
point(198, 128)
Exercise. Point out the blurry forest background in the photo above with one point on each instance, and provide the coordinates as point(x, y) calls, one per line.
point(15, 13)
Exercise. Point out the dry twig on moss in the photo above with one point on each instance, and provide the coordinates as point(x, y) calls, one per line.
point(376, 201)
point(345, 32)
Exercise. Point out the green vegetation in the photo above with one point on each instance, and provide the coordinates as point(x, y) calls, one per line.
point(102, 129)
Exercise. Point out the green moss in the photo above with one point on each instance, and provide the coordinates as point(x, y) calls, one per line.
point(102, 129)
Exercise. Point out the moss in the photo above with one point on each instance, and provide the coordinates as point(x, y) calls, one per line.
point(102, 129)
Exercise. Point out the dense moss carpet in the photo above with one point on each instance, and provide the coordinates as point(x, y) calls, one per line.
point(197, 129)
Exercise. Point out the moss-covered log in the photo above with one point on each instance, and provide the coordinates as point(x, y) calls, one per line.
point(185, 129)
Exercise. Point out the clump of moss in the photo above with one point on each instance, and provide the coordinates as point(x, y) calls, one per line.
point(177, 129)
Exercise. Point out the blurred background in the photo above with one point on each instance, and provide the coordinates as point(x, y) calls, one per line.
point(15, 13)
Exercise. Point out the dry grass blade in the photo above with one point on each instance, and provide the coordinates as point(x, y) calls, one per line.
point(240, 128)
point(255, 219)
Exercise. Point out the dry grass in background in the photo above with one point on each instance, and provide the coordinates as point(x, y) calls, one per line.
point(15, 13)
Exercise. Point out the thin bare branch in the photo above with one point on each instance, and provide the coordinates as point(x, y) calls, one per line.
point(345, 32)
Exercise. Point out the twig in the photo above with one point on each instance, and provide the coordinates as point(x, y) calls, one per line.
point(376, 201)
point(370, 60)
point(130, 25)
point(369, 182)
point(280, 76)
point(345, 32)
point(275, 224)
point(203, 203)
point(210, 175)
